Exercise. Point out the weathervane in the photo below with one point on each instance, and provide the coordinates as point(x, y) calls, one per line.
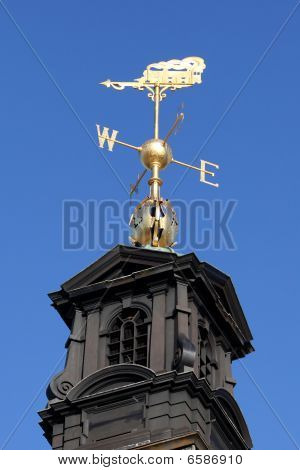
point(153, 222)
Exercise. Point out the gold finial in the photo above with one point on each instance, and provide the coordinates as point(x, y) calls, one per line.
point(154, 220)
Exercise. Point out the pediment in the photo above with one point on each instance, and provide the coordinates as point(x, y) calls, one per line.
point(224, 288)
point(233, 412)
point(110, 378)
point(120, 261)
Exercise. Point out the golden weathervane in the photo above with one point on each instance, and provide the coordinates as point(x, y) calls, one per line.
point(154, 222)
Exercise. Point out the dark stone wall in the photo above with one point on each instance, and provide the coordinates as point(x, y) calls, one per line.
point(104, 412)
point(196, 327)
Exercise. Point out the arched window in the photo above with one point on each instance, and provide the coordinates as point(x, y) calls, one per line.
point(205, 356)
point(128, 338)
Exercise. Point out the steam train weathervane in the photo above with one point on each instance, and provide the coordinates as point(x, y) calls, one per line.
point(153, 222)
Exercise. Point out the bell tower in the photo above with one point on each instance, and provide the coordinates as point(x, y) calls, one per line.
point(153, 334)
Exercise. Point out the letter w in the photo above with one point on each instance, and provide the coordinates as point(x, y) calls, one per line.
point(105, 137)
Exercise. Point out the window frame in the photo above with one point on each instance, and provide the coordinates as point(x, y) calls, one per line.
point(140, 321)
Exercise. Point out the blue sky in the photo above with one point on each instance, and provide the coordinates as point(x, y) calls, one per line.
point(48, 156)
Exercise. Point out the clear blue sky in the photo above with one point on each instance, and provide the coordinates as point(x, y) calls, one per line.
point(47, 156)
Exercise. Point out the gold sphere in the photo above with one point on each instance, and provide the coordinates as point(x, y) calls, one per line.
point(155, 152)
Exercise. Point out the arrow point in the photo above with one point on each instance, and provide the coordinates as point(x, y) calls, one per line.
point(106, 83)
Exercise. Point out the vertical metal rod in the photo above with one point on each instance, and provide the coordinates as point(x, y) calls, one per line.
point(156, 111)
point(155, 183)
point(155, 180)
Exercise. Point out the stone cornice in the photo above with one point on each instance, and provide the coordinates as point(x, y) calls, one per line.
point(219, 401)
